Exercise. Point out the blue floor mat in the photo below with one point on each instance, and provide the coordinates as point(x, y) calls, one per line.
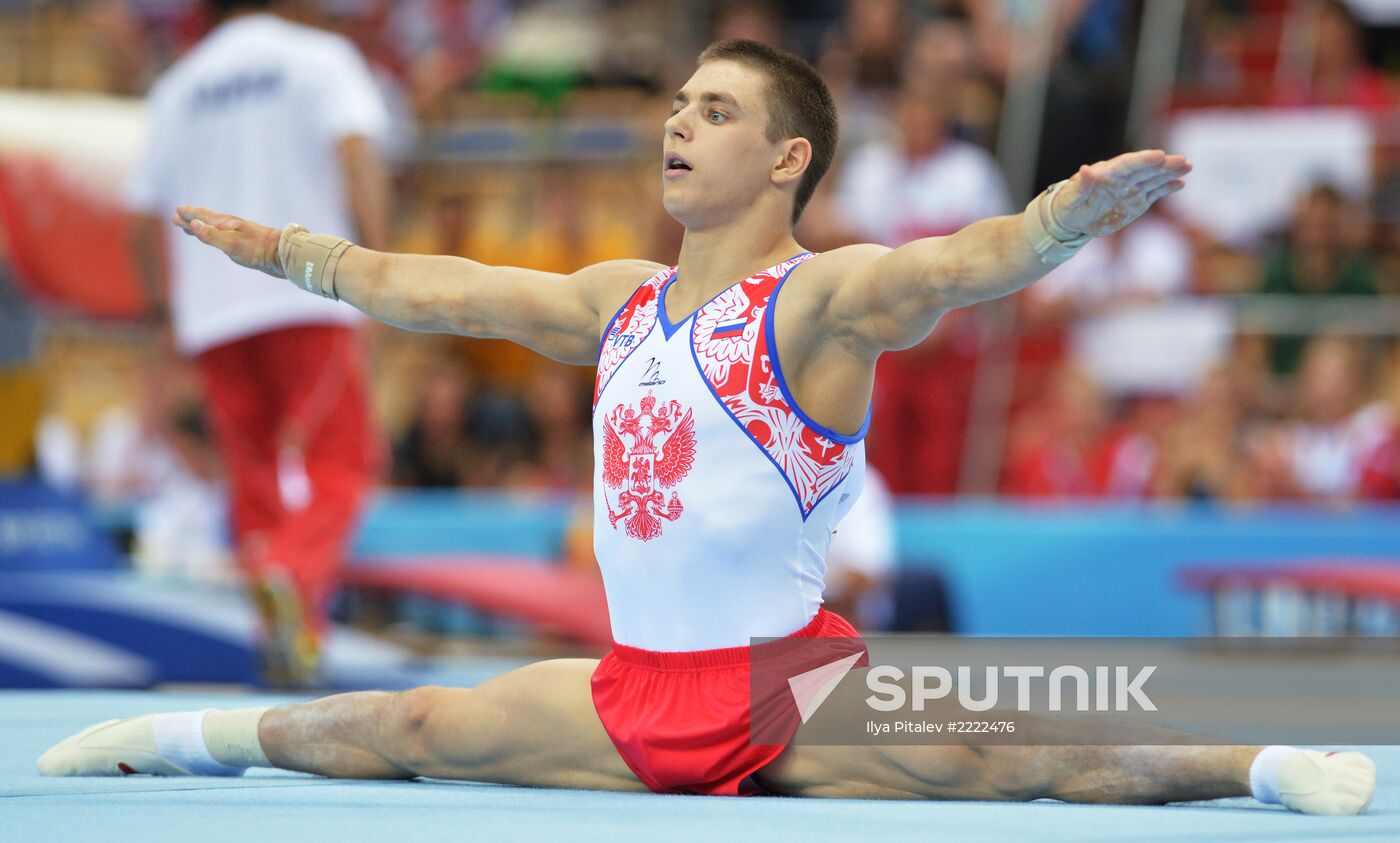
point(276, 807)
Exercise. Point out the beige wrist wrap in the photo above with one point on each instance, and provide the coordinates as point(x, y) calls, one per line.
point(1051, 240)
point(309, 260)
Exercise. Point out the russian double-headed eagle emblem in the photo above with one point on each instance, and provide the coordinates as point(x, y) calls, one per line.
point(643, 453)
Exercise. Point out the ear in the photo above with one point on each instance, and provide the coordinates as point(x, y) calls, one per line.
point(796, 156)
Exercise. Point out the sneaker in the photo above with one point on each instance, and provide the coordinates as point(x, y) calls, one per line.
point(1331, 783)
point(290, 653)
point(114, 748)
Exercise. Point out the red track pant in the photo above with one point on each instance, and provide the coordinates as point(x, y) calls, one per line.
point(303, 388)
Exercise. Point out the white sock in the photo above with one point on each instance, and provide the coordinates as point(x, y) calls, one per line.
point(180, 739)
point(1263, 772)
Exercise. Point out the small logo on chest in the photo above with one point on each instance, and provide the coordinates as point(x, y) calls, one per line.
point(621, 340)
point(652, 375)
point(730, 328)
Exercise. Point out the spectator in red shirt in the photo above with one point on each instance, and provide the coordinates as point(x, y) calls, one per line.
point(1066, 448)
point(1323, 455)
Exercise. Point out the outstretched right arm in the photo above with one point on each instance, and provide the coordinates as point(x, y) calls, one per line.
point(560, 316)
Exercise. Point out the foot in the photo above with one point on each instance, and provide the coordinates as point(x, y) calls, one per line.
point(114, 748)
point(1331, 783)
point(290, 653)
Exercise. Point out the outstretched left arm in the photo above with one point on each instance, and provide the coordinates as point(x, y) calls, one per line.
point(888, 299)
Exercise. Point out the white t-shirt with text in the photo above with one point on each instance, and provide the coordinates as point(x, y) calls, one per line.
point(247, 123)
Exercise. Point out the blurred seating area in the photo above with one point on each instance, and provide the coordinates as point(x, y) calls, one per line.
point(1237, 346)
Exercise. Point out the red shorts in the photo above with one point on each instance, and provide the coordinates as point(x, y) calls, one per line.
point(682, 721)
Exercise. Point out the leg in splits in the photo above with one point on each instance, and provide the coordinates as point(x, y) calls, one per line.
point(534, 726)
point(1124, 775)
point(1168, 766)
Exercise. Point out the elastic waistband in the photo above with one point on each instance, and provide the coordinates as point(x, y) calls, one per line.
point(824, 625)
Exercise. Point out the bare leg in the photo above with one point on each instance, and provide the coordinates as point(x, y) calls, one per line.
point(1099, 774)
point(342, 737)
point(534, 726)
point(1127, 775)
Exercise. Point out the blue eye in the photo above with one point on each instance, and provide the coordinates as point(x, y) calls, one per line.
point(714, 114)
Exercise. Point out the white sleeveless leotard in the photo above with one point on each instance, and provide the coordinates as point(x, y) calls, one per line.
point(715, 496)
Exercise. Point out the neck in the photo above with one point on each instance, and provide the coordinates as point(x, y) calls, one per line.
point(245, 12)
point(714, 258)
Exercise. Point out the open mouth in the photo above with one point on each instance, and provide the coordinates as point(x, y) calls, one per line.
point(676, 165)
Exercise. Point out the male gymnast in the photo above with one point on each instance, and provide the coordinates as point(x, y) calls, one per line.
point(728, 425)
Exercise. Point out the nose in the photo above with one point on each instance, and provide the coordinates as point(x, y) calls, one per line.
point(678, 126)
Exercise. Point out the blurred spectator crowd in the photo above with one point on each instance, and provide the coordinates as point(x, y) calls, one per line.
point(1152, 366)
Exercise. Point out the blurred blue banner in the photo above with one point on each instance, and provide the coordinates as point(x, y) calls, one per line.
point(43, 529)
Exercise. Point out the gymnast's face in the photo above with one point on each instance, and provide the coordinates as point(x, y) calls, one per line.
point(717, 160)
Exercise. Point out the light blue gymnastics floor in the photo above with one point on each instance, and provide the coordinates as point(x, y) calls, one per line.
point(276, 807)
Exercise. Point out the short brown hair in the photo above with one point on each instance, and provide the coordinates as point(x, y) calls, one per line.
point(799, 105)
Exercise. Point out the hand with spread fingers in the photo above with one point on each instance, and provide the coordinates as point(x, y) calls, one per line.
point(1102, 198)
point(246, 243)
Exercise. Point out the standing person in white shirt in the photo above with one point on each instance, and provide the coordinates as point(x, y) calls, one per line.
point(286, 119)
point(921, 182)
